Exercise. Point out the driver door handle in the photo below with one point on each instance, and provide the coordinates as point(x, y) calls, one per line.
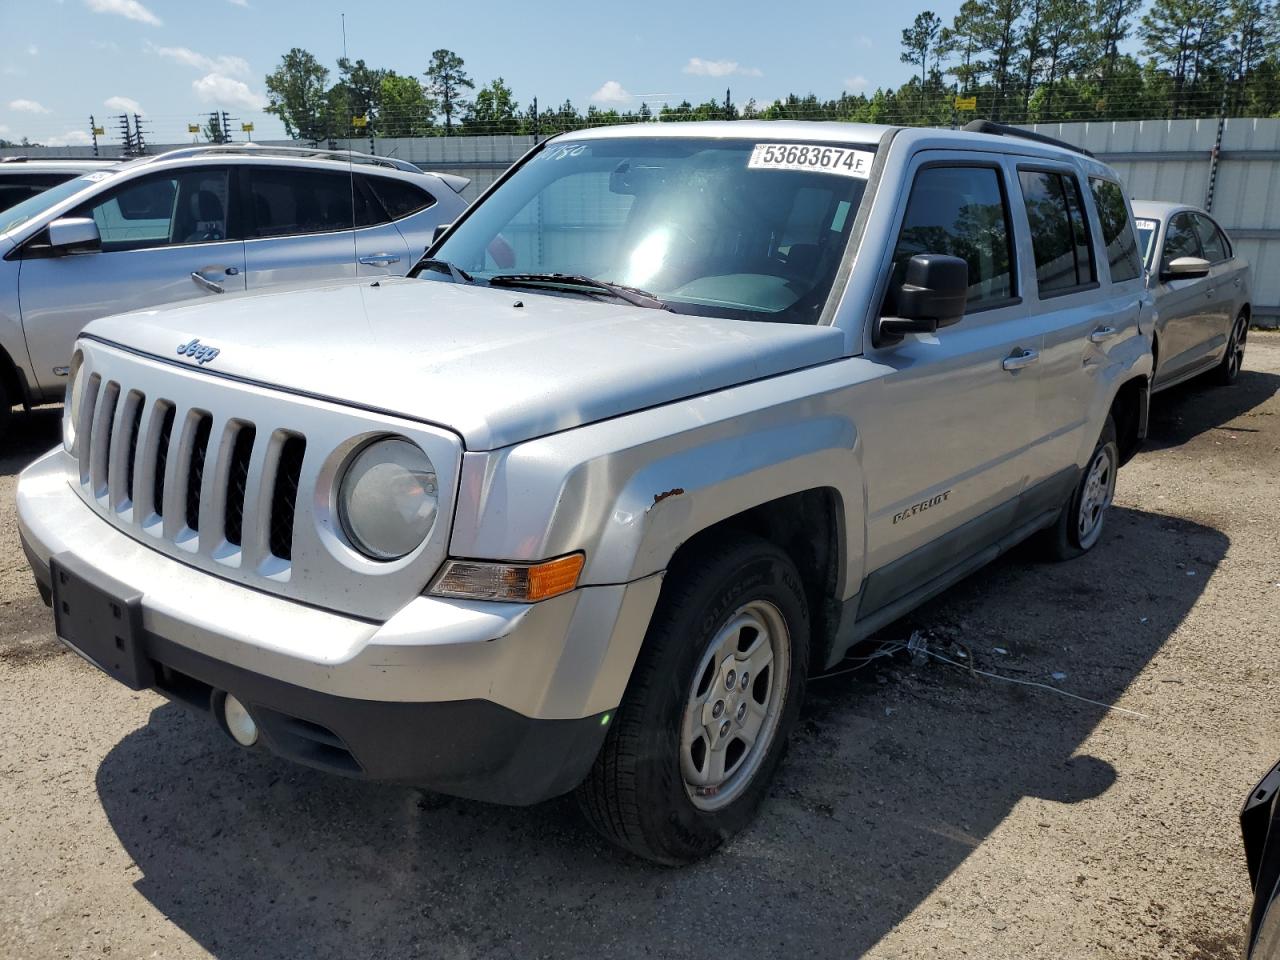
point(1023, 358)
point(1102, 334)
point(205, 283)
point(380, 259)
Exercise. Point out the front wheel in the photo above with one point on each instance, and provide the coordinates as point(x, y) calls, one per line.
point(1079, 526)
point(711, 702)
point(1233, 359)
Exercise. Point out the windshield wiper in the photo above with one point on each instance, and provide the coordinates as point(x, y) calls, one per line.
point(442, 266)
point(632, 295)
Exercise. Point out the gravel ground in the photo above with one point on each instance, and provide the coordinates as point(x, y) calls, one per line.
point(923, 811)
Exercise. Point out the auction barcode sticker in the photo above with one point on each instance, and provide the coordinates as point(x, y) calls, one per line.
point(812, 156)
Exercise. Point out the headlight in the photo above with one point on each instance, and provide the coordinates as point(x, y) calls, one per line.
point(387, 500)
point(71, 404)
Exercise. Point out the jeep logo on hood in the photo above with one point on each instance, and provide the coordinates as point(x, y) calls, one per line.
point(197, 351)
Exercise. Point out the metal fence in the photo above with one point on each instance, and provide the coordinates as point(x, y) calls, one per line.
point(1230, 166)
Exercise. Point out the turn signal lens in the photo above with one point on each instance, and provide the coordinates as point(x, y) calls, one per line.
point(513, 582)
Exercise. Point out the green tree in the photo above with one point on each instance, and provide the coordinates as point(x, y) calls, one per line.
point(494, 110)
point(998, 32)
point(1252, 31)
point(296, 93)
point(1064, 49)
point(446, 80)
point(404, 109)
point(1185, 39)
point(363, 86)
point(1112, 20)
point(920, 40)
point(961, 40)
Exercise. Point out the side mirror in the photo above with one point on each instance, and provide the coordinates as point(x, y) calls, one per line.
point(74, 235)
point(1186, 268)
point(439, 231)
point(932, 295)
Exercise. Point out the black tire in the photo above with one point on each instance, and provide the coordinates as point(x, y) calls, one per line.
point(6, 410)
point(636, 793)
point(1064, 540)
point(1233, 359)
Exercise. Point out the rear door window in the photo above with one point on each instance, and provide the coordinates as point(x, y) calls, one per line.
point(961, 212)
point(285, 202)
point(398, 198)
point(1059, 231)
point(1211, 240)
point(1117, 231)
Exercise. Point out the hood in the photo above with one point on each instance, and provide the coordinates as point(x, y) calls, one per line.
point(468, 357)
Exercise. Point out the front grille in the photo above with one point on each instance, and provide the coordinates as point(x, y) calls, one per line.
point(159, 468)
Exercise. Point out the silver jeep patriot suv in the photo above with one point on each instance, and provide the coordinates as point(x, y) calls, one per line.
point(666, 422)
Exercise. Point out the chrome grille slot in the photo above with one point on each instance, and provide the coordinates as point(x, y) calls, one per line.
point(84, 429)
point(195, 469)
point(164, 413)
point(124, 450)
point(237, 482)
point(284, 494)
point(104, 418)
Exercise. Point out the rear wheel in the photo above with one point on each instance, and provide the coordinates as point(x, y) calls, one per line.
point(1233, 359)
point(711, 702)
point(1079, 526)
point(6, 410)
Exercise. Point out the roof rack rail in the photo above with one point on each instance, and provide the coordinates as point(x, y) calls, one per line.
point(1004, 130)
point(266, 150)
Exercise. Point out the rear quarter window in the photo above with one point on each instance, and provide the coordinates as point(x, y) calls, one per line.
point(1117, 231)
point(398, 198)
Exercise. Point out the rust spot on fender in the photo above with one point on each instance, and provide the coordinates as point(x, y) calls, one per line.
point(673, 492)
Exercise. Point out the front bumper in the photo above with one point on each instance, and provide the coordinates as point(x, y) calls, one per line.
point(495, 701)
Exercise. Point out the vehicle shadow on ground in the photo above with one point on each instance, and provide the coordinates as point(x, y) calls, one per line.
point(896, 774)
point(1197, 406)
point(28, 436)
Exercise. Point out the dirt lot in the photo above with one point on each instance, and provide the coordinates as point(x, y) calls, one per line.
point(923, 812)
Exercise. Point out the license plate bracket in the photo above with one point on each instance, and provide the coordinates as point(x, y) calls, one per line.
point(102, 619)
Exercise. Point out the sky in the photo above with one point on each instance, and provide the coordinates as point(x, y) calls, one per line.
point(173, 61)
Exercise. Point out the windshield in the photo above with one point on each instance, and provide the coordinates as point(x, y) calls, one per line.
point(20, 213)
point(730, 228)
point(1147, 230)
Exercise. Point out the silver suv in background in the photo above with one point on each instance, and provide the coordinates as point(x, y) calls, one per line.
point(673, 416)
point(23, 177)
point(194, 223)
point(1203, 293)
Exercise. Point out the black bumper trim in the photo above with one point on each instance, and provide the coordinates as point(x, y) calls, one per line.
point(468, 748)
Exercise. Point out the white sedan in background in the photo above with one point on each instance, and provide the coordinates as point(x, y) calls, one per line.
point(1202, 292)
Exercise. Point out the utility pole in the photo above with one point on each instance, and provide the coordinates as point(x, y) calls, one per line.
point(138, 140)
point(226, 127)
point(533, 108)
point(126, 136)
point(93, 130)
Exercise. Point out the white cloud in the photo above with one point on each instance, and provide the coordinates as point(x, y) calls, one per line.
point(234, 66)
point(33, 51)
point(124, 104)
point(27, 106)
point(856, 84)
point(72, 138)
point(3, 129)
point(611, 91)
point(238, 3)
point(227, 92)
point(719, 68)
point(11, 71)
point(129, 9)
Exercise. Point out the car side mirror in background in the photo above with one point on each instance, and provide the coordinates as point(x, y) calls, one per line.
point(439, 231)
point(932, 294)
point(1185, 268)
point(74, 235)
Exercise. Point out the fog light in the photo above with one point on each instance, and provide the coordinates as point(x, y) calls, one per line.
point(241, 726)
